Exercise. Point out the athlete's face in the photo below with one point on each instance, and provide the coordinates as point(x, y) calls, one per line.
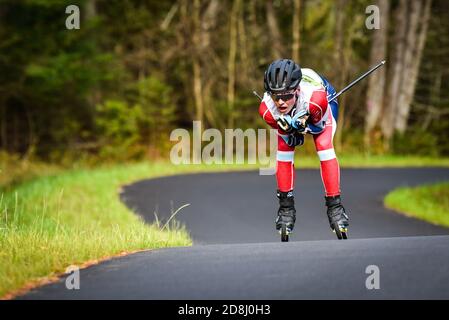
point(285, 101)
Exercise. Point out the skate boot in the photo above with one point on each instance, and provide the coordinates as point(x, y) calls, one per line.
point(338, 219)
point(286, 218)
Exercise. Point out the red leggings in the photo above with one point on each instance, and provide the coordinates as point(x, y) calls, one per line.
point(330, 169)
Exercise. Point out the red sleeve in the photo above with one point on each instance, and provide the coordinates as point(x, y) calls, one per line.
point(317, 106)
point(267, 116)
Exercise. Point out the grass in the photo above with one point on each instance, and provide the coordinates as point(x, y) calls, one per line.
point(52, 218)
point(390, 161)
point(14, 170)
point(429, 202)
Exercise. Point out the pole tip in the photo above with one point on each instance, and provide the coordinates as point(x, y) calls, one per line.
point(383, 61)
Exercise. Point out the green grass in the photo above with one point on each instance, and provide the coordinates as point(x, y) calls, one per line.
point(374, 161)
point(390, 161)
point(429, 202)
point(14, 170)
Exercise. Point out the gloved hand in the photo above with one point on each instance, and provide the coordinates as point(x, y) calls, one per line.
point(295, 139)
point(285, 123)
point(298, 121)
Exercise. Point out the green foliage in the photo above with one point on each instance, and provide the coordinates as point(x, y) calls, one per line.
point(352, 141)
point(128, 128)
point(118, 125)
point(440, 132)
point(155, 99)
point(429, 202)
point(15, 170)
point(416, 142)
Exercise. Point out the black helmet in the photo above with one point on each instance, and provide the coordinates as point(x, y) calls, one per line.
point(282, 75)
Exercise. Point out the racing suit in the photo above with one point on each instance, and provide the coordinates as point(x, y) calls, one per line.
point(322, 123)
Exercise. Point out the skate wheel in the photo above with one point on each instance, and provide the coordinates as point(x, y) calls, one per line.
point(342, 233)
point(338, 233)
point(284, 234)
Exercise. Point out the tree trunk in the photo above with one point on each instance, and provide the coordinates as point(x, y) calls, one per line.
point(209, 113)
point(275, 34)
point(197, 82)
point(296, 30)
point(168, 18)
point(231, 60)
point(3, 128)
point(246, 75)
point(375, 94)
point(90, 12)
point(395, 74)
point(410, 45)
point(208, 24)
point(31, 136)
point(340, 61)
point(254, 29)
point(197, 90)
point(339, 41)
point(91, 9)
point(415, 43)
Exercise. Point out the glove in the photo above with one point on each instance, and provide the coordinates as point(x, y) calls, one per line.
point(285, 123)
point(295, 139)
point(297, 123)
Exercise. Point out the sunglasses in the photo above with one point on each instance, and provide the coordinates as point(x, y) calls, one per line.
point(284, 97)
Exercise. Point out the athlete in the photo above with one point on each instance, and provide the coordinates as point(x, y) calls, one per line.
point(296, 103)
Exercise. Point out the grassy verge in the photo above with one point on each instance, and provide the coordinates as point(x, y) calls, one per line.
point(430, 202)
point(390, 161)
point(14, 170)
point(374, 161)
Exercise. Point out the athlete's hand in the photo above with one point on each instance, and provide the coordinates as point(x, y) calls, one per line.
point(295, 139)
point(299, 121)
point(285, 123)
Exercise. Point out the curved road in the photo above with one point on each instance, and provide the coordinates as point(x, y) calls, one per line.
point(237, 253)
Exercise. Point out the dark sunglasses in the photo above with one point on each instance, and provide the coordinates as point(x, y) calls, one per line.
point(284, 97)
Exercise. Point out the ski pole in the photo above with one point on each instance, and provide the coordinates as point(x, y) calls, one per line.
point(349, 86)
point(257, 95)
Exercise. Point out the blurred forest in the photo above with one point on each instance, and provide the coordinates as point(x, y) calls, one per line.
point(136, 69)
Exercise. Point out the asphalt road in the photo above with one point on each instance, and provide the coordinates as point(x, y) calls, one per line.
point(237, 253)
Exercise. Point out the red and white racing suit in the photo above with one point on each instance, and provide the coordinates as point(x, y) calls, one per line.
point(313, 92)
